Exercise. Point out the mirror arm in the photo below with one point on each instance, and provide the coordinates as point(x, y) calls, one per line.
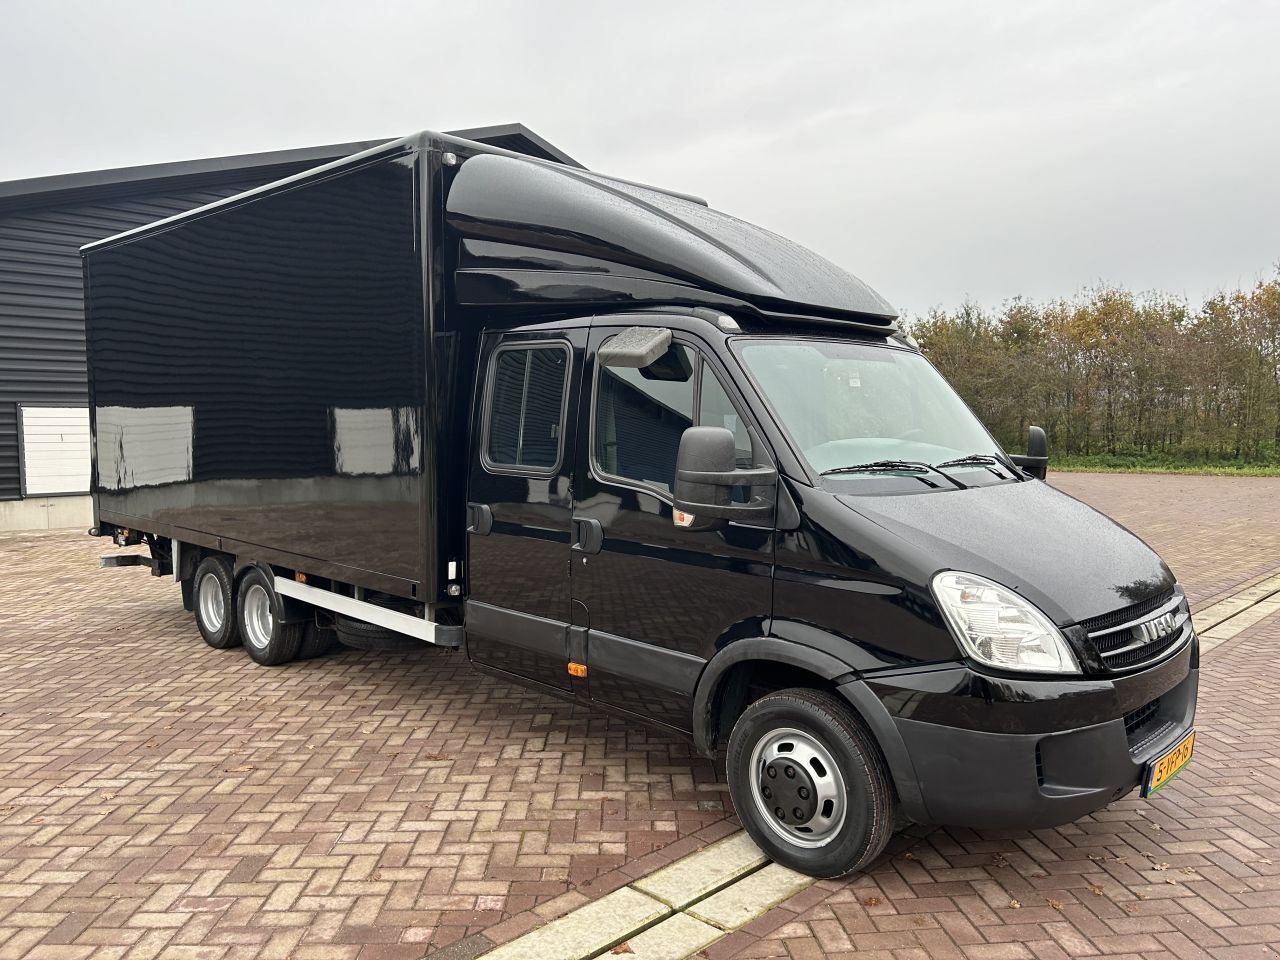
point(1036, 466)
point(758, 510)
point(729, 478)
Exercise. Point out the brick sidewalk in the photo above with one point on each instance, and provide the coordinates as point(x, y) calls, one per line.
point(162, 799)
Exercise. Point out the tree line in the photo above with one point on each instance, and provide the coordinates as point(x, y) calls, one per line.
point(1111, 372)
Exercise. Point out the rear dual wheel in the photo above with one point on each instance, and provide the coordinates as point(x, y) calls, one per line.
point(213, 601)
point(267, 638)
point(229, 613)
point(317, 641)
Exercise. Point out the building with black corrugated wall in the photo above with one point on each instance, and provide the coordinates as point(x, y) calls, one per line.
point(44, 426)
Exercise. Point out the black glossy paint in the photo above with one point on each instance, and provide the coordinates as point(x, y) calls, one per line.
point(272, 330)
point(650, 602)
point(336, 359)
point(859, 567)
point(1067, 558)
point(676, 593)
point(227, 396)
point(960, 696)
point(842, 575)
point(522, 563)
point(524, 224)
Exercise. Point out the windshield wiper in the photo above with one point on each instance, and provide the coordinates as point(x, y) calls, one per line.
point(987, 460)
point(912, 466)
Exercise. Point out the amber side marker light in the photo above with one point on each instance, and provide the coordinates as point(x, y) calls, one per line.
point(300, 577)
point(577, 669)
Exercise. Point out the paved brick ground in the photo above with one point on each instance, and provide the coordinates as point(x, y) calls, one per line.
point(156, 794)
point(1217, 533)
point(1194, 872)
point(162, 799)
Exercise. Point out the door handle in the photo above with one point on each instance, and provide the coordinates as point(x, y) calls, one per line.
point(479, 519)
point(588, 535)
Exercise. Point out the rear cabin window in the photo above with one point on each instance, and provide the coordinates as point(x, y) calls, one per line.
point(526, 408)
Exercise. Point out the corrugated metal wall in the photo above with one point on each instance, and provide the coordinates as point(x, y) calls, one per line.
point(41, 304)
point(10, 489)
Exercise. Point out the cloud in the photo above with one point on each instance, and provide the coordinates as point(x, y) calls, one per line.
point(938, 150)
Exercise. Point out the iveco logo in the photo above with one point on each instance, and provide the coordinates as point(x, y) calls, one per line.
point(1157, 628)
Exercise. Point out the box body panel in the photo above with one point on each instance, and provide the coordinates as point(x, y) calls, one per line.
point(259, 373)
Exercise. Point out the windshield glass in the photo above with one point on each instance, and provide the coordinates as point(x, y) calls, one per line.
point(847, 404)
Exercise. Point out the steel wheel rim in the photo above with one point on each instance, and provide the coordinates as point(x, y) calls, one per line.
point(815, 769)
point(213, 608)
point(258, 619)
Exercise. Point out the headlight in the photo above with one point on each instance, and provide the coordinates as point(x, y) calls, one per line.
point(998, 628)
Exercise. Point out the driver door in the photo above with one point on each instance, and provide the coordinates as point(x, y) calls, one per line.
point(659, 598)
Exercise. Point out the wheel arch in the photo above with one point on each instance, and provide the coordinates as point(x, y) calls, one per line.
point(826, 672)
point(754, 653)
point(291, 610)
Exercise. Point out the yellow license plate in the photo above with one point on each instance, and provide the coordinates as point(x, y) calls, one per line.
point(1163, 769)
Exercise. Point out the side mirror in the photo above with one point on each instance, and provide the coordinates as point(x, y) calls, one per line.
point(707, 472)
point(1036, 459)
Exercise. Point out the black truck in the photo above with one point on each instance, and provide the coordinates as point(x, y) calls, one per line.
point(633, 452)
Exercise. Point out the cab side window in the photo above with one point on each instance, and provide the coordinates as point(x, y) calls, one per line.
point(526, 409)
point(715, 409)
point(641, 414)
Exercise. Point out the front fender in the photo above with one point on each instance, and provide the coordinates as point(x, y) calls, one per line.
point(770, 649)
point(828, 667)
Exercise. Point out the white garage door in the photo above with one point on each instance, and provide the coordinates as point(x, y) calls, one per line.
point(55, 450)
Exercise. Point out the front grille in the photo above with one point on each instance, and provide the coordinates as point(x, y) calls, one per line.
point(1136, 720)
point(1140, 655)
point(1126, 614)
point(1139, 634)
point(1145, 727)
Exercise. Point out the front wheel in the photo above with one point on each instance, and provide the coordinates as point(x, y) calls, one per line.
point(809, 783)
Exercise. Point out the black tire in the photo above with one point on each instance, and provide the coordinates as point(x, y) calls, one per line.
point(266, 639)
point(359, 635)
point(214, 601)
point(317, 641)
point(808, 725)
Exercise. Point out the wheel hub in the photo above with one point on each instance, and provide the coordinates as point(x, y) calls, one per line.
point(797, 788)
point(257, 617)
point(790, 790)
point(212, 607)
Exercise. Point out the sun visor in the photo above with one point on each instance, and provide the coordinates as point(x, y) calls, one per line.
point(635, 347)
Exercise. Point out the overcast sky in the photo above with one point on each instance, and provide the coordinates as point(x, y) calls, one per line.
point(938, 150)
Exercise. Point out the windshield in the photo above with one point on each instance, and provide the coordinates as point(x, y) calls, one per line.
point(849, 404)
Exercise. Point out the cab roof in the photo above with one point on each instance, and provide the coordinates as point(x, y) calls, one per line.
point(522, 217)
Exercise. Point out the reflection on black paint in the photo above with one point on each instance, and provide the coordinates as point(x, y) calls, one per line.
point(264, 320)
point(825, 573)
point(672, 590)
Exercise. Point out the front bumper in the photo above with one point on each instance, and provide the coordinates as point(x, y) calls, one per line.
point(977, 751)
